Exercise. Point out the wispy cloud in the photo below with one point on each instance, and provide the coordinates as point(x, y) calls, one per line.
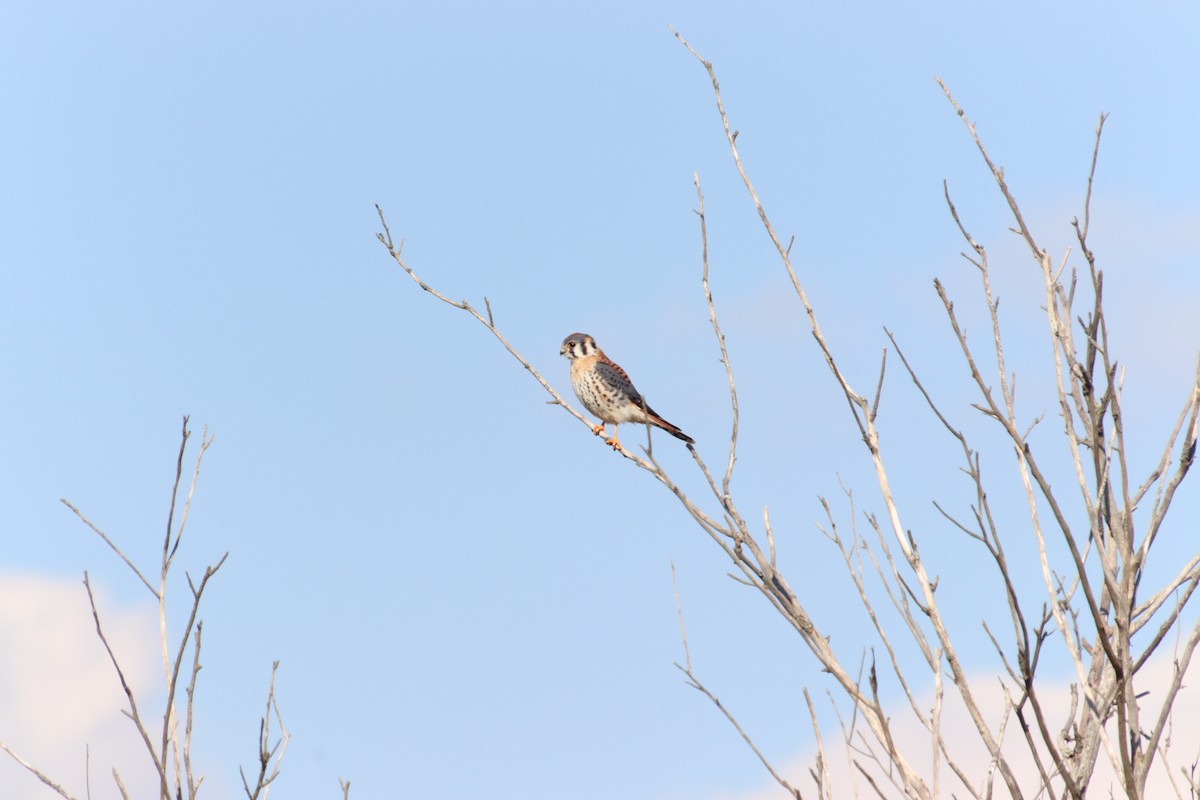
point(1181, 749)
point(60, 699)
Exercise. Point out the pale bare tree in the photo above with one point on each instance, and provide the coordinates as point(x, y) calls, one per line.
point(1092, 603)
point(168, 748)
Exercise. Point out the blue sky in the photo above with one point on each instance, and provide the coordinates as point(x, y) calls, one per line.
point(467, 593)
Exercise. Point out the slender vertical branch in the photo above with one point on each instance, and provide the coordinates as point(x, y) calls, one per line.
point(712, 317)
point(158, 759)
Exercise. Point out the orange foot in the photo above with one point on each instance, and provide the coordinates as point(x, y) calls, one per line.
point(613, 442)
point(598, 430)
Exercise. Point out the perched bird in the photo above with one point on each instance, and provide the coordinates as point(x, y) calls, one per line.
point(606, 391)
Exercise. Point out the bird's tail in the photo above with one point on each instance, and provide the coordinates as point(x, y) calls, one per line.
point(671, 429)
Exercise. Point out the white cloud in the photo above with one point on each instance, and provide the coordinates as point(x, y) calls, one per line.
point(1183, 743)
point(59, 695)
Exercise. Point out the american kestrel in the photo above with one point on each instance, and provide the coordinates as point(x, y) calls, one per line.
point(606, 391)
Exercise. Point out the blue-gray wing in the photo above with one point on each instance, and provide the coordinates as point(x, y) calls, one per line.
point(615, 377)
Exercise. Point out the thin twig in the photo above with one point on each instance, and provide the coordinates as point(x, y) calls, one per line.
point(41, 776)
point(687, 655)
point(110, 543)
point(120, 784)
point(695, 683)
point(385, 238)
point(133, 714)
point(712, 317)
point(191, 715)
point(820, 774)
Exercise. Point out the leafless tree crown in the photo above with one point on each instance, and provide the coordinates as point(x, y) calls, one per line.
point(168, 748)
point(1093, 605)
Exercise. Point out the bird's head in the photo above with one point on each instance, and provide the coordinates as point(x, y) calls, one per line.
point(578, 345)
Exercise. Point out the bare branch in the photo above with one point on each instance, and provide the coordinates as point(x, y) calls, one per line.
point(695, 683)
point(712, 316)
point(820, 774)
point(192, 783)
point(856, 402)
point(157, 760)
point(879, 386)
point(110, 543)
point(1087, 200)
point(41, 776)
point(997, 173)
point(168, 550)
point(1181, 667)
point(270, 756)
point(687, 655)
point(120, 785)
point(176, 664)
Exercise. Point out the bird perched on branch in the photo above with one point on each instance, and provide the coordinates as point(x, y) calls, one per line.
point(606, 391)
